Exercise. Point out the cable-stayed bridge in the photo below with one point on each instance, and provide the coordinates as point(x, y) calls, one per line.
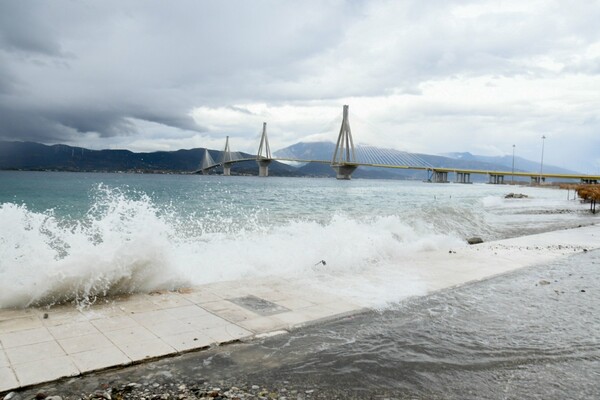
point(347, 157)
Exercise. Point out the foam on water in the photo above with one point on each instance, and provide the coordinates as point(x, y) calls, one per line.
point(127, 244)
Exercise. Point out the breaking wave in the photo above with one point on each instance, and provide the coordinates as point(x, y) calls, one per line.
point(128, 244)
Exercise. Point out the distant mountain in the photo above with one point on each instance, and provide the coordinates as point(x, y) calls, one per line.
point(521, 164)
point(324, 151)
point(36, 156)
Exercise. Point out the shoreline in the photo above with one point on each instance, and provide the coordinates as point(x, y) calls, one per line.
point(81, 340)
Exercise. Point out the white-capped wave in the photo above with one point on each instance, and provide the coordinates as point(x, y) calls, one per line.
point(128, 244)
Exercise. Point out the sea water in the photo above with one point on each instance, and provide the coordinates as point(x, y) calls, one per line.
point(85, 237)
point(507, 337)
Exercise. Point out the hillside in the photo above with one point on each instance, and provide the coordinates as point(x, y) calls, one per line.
point(521, 164)
point(36, 156)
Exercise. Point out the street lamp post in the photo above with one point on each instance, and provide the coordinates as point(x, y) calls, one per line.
point(512, 179)
point(542, 162)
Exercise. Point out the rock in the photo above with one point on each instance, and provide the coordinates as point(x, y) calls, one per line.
point(12, 396)
point(45, 315)
point(99, 395)
point(582, 290)
point(474, 240)
point(255, 387)
point(516, 196)
point(544, 282)
point(54, 398)
point(40, 396)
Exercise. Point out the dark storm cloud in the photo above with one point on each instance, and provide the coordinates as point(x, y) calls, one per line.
point(92, 67)
point(22, 30)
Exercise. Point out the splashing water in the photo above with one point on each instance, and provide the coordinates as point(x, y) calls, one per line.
point(131, 241)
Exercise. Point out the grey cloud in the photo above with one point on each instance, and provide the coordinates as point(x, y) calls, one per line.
point(146, 60)
point(70, 69)
point(23, 29)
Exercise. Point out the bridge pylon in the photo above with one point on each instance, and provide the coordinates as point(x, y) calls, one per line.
point(344, 156)
point(207, 162)
point(263, 156)
point(227, 160)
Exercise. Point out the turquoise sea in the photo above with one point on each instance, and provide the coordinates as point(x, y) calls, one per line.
point(83, 236)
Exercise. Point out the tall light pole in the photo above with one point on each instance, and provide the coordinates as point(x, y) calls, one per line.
point(512, 179)
point(542, 162)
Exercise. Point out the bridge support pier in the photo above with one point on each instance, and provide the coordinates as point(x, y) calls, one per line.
point(589, 181)
point(463, 177)
point(496, 179)
point(263, 167)
point(227, 169)
point(344, 172)
point(536, 180)
point(263, 156)
point(439, 176)
point(344, 156)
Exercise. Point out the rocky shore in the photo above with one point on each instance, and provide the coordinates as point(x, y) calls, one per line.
point(199, 389)
point(167, 391)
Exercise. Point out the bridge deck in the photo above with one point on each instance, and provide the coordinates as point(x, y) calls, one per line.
point(427, 167)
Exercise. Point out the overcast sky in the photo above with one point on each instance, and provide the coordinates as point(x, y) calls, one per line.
point(423, 76)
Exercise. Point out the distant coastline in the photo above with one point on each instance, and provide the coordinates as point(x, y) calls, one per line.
point(31, 156)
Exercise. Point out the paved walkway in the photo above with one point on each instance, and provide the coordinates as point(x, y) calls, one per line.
point(39, 345)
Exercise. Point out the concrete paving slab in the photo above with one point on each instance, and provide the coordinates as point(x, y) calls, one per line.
point(85, 343)
point(74, 329)
point(169, 328)
point(20, 324)
point(102, 311)
point(188, 312)
point(61, 315)
point(169, 300)
point(8, 379)
point(34, 352)
point(295, 303)
point(205, 321)
point(263, 324)
point(233, 313)
point(293, 319)
point(130, 335)
point(25, 337)
point(227, 333)
point(100, 358)
point(188, 340)
point(200, 296)
point(44, 371)
point(138, 351)
point(114, 323)
point(9, 313)
point(154, 316)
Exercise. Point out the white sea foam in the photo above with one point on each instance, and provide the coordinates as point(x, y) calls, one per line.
point(128, 245)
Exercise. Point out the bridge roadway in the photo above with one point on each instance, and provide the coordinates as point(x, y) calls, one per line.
point(438, 174)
